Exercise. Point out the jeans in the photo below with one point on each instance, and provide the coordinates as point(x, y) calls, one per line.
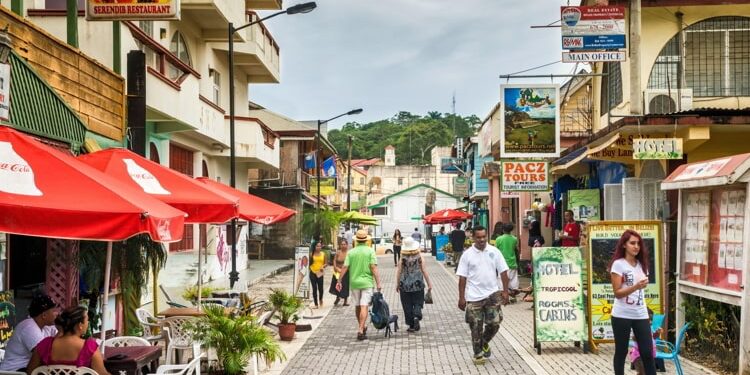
point(641, 328)
point(316, 283)
point(412, 302)
point(396, 254)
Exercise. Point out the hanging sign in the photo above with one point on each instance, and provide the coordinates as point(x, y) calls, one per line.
point(530, 125)
point(327, 186)
point(460, 186)
point(657, 148)
point(592, 20)
point(524, 176)
point(5, 92)
point(558, 295)
point(603, 237)
point(7, 316)
point(132, 10)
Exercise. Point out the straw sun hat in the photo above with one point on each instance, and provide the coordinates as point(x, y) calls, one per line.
point(409, 246)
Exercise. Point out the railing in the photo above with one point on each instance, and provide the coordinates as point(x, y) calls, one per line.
point(265, 40)
point(161, 62)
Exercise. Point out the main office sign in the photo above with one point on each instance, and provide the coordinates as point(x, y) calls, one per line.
point(593, 56)
point(132, 10)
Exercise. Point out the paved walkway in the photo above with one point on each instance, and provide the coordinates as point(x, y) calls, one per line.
point(443, 345)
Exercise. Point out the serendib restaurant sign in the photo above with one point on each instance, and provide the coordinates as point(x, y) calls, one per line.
point(524, 175)
point(133, 10)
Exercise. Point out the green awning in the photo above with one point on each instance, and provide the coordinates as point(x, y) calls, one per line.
point(36, 108)
point(377, 205)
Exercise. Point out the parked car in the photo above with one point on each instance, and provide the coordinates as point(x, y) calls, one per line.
point(383, 245)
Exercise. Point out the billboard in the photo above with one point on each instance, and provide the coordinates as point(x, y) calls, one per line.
point(530, 125)
point(132, 10)
point(524, 176)
point(452, 165)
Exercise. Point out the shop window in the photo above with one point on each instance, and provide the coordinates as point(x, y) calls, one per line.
point(380, 211)
point(611, 86)
point(400, 181)
point(716, 59)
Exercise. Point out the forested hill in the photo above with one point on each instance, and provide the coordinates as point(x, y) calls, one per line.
point(413, 136)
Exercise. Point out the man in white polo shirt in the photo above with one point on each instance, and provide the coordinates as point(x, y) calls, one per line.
point(40, 324)
point(479, 294)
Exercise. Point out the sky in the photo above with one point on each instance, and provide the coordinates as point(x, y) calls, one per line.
point(387, 56)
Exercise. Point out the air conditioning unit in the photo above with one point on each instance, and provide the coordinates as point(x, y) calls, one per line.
point(663, 101)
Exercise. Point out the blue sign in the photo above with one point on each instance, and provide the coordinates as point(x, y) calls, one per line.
point(593, 42)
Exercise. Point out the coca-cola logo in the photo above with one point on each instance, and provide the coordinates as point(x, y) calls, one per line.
point(18, 168)
point(142, 176)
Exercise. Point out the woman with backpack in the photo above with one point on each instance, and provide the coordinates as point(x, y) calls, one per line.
point(411, 275)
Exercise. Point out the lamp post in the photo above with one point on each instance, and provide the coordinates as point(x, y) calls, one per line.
point(349, 178)
point(295, 9)
point(317, 165)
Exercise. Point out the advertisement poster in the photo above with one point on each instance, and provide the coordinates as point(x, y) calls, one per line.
point(603, 237)
point(7, 316)
point(132, 10)
point(327, 186)
point(301, 268)
point(531, 124)
point(585, 204)
point(558, 294)
point(524, 176)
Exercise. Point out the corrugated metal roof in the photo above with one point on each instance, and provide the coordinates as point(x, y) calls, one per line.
point(36, 108)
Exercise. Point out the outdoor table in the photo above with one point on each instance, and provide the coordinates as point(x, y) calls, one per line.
point(135, 358)
point(188, 311)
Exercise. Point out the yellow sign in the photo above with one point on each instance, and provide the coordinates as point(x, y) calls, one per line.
point(327, 186)
point(132, 10)
point(657, 148)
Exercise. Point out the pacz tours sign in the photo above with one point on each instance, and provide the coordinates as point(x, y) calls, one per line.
point(525, 176)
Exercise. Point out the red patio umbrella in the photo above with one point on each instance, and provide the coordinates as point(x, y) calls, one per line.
point(445, 216)
point(252, 208)
point(180, 191)
point(46, 193)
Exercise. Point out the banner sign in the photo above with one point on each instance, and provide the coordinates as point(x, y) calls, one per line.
point(460, 186)
point(603, 237)
point(558, 294)
point(5, 92)
point(657, 148)
point(452, 165)
point(585, 204)
point(530, 126)
point(327, 186)
point(592, 20)
point(524, 175)
point(132, 10)
point(600, 56)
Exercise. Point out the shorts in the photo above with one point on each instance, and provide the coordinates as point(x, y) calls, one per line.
point(512, 279)
point(361, 297)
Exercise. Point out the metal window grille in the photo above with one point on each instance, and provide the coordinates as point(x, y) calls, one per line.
point(611, 86)
point(716, 59)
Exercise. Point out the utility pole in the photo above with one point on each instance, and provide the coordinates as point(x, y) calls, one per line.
point(349, 178)
point(454, 115)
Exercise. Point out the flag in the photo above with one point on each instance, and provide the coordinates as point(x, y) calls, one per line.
point(310, 160)
point(329, 167)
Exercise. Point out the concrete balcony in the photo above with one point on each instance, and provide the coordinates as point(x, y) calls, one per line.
point(256, 53)
point(264, 4)
point(212, 16)
point(171, 103)
point(256, 145)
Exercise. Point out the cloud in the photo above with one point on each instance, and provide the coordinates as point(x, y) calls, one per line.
point(412, 55)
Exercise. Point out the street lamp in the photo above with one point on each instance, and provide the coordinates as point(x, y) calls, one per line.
point(234, 276)
point(317, 165)
point(349, 178)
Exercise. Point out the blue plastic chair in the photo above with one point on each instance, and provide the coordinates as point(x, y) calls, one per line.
point(665, 349)
point(656, 322)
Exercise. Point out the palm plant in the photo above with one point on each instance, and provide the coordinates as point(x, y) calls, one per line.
point(235, 339)
point(286, 305)
point(329, 223)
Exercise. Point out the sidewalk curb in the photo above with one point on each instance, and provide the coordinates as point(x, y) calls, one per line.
point(275, 272)
point(527, 358)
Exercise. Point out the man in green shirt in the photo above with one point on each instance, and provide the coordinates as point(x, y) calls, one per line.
point(508, 246)
point(362, 265)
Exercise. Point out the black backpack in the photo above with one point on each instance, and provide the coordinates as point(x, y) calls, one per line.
point(380, 314)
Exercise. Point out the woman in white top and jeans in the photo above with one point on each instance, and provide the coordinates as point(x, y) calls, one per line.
point(629, 274)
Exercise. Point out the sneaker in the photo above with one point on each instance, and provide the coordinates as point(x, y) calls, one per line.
point(479, 359)
point(486, 352)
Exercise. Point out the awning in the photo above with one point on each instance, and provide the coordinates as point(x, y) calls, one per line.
point(576, 156)
point(378, 205)
point(714, 172)
point(309, 199)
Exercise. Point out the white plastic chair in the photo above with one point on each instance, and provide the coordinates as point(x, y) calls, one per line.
point(12, 373)
point(149, 324)
point(63, 370)
point(179, 338)
point(192, 368)
point(126, 341)
point(2, 354)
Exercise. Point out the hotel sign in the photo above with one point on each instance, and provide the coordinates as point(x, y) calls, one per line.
point(132, 10)
point(657, 148)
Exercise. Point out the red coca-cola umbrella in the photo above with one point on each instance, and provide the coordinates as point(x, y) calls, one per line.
point(252, 208)
point(46, 193)
point(445, 216)
point(180, 191)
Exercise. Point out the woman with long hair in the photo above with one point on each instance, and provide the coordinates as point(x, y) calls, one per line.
point(397, 238)
point(68, 348)
point(338, 265)
point(629, 274)
point(317, 268)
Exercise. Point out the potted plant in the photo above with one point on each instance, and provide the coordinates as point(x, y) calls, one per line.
point(286, 306)
point(235, 339)
point(191, 293)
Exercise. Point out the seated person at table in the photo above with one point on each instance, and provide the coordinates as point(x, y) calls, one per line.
point(29, 332)
point(69, 348)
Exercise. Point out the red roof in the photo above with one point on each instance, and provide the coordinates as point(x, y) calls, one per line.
point(365, 162)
